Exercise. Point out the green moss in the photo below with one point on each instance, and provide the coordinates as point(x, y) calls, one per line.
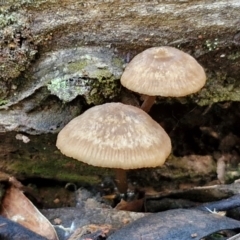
point(57, 169)
point(211, 44)
point(7, 18)
point(117, 62)
point(14, 25)
point(232, 174)
point(40, 158)
point(21, 3)
point(233, 56)
point(102, 74)
point(68, 89)
point(3, 102)
point(97, 86)
point(218, 88)
point(105, 86)
point(78, 66)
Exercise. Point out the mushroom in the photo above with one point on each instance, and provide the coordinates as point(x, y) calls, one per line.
point(115, 135)
point(163, 71)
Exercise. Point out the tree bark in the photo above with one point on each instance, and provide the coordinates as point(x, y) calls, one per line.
point(77, 48)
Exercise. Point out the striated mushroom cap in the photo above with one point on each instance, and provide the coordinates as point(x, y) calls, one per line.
point(163, 71)
point(115, 135)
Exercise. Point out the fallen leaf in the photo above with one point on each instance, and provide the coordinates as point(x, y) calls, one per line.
point(14, 231)
point(134, 206)
point(109, 197)
point(17, 207)
point(57, 221)
point(149, 191)
point(4, 176)
point(175, 224)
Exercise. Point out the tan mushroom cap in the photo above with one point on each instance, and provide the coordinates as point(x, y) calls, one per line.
point(115, 135)
point(164, 71)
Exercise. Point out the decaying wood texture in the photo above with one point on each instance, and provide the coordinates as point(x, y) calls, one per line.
point(140, 23)
point(57, 55)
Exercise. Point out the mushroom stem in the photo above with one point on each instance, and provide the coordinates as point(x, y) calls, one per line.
point(148, 102)
point(121, 180)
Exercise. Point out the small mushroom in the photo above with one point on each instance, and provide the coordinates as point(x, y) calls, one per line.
point(115, 135)
point(163, 71)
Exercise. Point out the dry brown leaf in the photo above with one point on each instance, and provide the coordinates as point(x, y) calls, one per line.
point(135, 205)
point(91, 228)
point(109, 197)
point(17, 207)
point(149, 191)
point(3, 176)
